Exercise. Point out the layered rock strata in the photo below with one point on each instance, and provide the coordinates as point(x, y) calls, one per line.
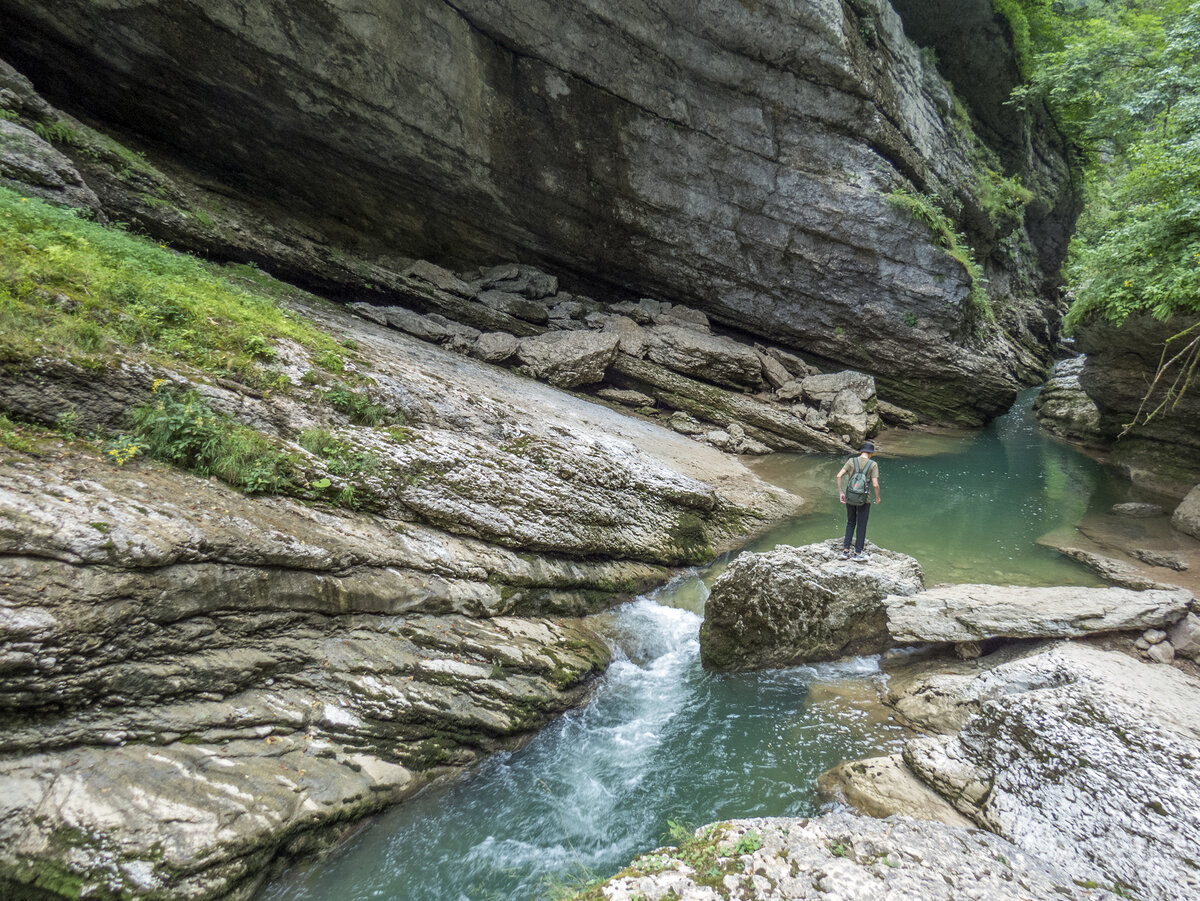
point(197, 683)
point(742, 159)
point(1085, 757)
point(1144, 418)
point(511, 314)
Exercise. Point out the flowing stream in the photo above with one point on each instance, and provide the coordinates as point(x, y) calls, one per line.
point(663, 741)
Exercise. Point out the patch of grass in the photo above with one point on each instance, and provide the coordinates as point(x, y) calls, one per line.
point(341, 458)
point(184, 431)
point(359, 407)
point(15, 435)
point(73, 288)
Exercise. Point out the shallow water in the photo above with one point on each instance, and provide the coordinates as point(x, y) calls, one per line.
point(969, 506)
point(662, 740)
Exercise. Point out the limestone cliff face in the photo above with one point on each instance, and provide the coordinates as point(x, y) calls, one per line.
point(734, 156)
point(1118, 376)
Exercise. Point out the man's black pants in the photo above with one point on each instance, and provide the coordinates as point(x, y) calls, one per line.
point(856, 518)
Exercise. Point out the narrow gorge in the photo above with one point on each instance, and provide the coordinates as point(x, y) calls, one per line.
point(359, 361)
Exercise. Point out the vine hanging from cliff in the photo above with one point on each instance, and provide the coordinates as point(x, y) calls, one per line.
point(1176, 369)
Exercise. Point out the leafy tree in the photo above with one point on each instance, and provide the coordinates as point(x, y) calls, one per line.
point(1123, 76)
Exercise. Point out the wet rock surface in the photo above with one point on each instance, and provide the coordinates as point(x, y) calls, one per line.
point(264, 672)
point(1085, 757)
point(793, 605)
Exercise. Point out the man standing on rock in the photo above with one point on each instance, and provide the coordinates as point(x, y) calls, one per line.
point(857, 497)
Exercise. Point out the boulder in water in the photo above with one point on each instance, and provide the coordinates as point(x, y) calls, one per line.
point(794, 605)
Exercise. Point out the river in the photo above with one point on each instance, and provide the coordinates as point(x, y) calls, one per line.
point(662, 741)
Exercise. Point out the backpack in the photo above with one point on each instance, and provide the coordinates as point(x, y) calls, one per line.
point(858, 490)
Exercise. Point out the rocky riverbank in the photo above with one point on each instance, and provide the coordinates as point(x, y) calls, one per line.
point(264, 671)
point(1078, 753)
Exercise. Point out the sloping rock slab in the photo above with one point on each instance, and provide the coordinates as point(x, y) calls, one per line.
point(882, 786)
point(1086, 757)
point(794, 605)
point(975, 612)
point(841, 857)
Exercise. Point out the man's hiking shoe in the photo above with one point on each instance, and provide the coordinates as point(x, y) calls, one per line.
point(860, 558)
point(846, 554)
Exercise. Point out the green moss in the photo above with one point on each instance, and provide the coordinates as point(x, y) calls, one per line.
point(75, 289)
point(925, 209)
point(15, 436)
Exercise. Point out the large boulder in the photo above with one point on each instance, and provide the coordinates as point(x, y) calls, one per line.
point(514, 305)
point(962, 613)
point(1064, 408)
point(742, 158)
point(713, 358)
point(569, 359)
point(1186, 517)
point(823, 389)
point(794, 605)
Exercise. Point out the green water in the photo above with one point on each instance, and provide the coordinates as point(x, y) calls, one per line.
point(662, 740)
point(970, 506)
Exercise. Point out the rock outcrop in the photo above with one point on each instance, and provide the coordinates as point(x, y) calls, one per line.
point(794, 605)
point(1186, 517)
point(965, 613)
point(1162, 451)
point(1064, 408)
point(261, 673)
point(742, 159)
point(844, 856)
point(1087, 758)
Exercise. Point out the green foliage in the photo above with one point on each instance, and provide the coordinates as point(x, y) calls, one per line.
point(186, 432)
point(58, 133)
point(14, 435)
point(123, 449)
point(748, 843)
point(360, 408)
point(924, 209)
point(340, 457)
point(73, 288)
point(1033, 25)
point(1123, 77)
